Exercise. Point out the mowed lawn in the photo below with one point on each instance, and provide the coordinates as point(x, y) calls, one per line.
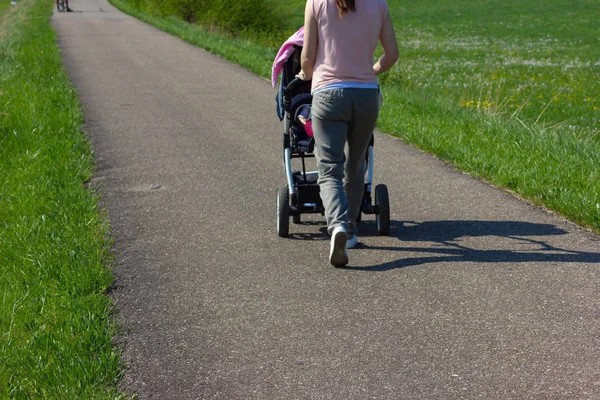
point(55, 328)
point(536, 61)
point(505, 90)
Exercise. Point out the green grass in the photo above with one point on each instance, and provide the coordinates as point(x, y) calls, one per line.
point(504, 90)
point(507, 91)
point(536, 61)
point(4, 7)
point(55, 328)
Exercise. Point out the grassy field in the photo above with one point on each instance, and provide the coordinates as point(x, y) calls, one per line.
point(506, 91)
point(4, 6)
point(536, 61)
point(55, 328)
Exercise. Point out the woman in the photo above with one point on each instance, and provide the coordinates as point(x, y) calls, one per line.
point(340, 37)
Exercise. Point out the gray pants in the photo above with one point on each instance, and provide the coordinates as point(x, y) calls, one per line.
point(343, 122)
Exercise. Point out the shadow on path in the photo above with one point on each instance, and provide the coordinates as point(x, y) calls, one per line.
point(446, 236)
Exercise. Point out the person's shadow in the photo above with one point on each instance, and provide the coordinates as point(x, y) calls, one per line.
point(446, 238)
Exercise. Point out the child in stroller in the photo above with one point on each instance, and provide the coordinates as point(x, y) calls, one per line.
point(304, 116)
point(300, 195)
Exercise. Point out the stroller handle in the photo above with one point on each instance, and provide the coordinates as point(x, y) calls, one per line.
point(292, 85)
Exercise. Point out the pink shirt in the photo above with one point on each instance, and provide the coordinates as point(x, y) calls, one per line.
point(346, 45)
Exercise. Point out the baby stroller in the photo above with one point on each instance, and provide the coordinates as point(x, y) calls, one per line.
point(301, 193)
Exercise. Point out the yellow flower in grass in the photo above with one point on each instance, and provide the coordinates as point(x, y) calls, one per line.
point(467, 103)
point(486, 104)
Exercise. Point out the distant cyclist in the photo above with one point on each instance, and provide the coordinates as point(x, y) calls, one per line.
point(67, 9)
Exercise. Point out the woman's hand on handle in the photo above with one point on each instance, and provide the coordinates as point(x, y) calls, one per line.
point(302, 76)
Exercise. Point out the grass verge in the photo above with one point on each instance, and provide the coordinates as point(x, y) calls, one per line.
point(55, 327)
point(490, 105)
point(4, 7)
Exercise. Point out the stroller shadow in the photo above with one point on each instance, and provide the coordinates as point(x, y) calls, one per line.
point(446, 236)
point(321, 235)
point(366, 229)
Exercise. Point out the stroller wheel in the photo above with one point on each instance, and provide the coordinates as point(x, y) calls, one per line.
point(383, 204)
point(283, 211)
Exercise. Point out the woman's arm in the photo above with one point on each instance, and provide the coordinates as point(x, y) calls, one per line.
point(309, 50)
point(390, 47)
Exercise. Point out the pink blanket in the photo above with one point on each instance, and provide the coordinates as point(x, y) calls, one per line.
point(297, 39)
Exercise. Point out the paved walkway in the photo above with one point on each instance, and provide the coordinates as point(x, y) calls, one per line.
point(475, 294)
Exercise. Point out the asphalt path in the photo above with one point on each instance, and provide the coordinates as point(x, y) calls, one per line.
point(474, 295)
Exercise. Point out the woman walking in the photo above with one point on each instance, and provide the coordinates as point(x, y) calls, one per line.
point(340, 37)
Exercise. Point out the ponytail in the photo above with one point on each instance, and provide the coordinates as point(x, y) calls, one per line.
point(345, 5)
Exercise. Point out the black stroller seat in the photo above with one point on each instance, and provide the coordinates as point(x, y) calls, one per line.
point(300, 139)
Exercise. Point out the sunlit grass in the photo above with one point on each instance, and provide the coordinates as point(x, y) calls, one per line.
point(538, 79)
point(543, 164)
point(4, 6)
point(55, 329)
